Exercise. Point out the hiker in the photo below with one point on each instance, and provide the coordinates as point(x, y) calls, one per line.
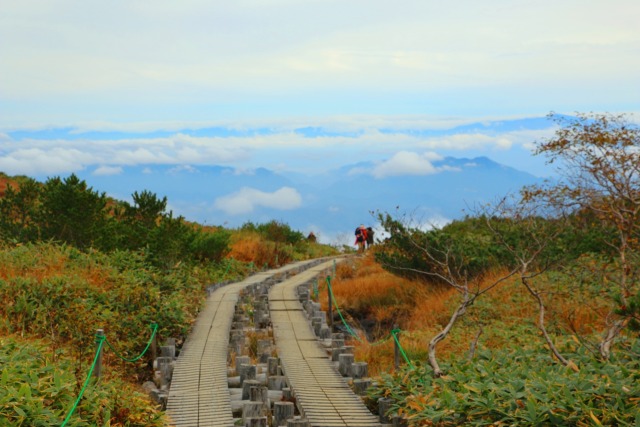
point(369, 238)
point(361, 237)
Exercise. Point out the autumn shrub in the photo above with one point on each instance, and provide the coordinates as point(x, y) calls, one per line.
point(364, 290)
point(247, 246)
point(63, 294)
point(38, 387)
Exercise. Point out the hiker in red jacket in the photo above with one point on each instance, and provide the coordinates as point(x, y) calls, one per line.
point(361, 237)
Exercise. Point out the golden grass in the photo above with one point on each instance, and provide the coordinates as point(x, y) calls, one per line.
point(49, 262)
point(244, 246)
point(508, 313)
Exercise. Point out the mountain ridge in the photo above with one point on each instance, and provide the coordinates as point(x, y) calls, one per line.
point(311, 202)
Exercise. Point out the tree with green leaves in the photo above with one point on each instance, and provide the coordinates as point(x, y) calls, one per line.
point(598, 159)
point(443, 257)
point(18, 211)
point(72, 212)
point(142, 217)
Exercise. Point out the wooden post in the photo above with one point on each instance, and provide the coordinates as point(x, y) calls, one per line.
point(260, 393)
point(247, 372)
point(166, 371)
point(252, 410)
point(359, 370)
point(287, 394)
point(154, 346)
point(272, 366)
point(384, 403)
point(282, 411)
point(256, 422)
point(361, 385)
point(330, 322)
point(97, 371)
point(246, 388)
point(396, 350)
point(240, 360)
point(277, 382)
point(345, 361)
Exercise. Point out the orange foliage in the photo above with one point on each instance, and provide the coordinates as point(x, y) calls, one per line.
point(4, 183)
point(367, 291)
point(252, 247)
point(246, 248)
point(433, 309)
point(50, 263)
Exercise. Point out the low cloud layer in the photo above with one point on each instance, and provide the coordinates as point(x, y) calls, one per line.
point(248, 199)
point(299, 146)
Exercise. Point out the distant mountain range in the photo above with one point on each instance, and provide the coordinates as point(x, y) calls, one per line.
point(331, 204)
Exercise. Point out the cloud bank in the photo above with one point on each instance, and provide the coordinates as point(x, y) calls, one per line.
point(249, 199)
point(311, 146)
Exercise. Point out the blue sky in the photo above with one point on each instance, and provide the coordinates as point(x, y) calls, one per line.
point(302, 85)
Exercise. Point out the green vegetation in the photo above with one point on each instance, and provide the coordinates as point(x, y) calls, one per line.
point(38, 386)
point(518, 387)
point(73, 261)
point(527, 312)
point(573, 246)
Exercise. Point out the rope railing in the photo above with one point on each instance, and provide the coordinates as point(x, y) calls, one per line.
point(100, 340)
point(344, 322)
point(394, 332)
point(135, 359)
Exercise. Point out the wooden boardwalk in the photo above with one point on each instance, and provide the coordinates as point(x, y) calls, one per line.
point(199, 394)
point(322, 395)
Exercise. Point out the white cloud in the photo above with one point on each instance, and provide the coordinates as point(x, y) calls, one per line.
point(108, 170)
point(36, 161)
point(407, 163)
point(248, 199)
point(468, 141)
point(279, 148)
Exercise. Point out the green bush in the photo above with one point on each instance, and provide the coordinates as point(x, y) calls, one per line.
point(464, 249)
point(275, 231)
point(65, 294)
point(518, 387)
point(210, 246)
point(38, 387)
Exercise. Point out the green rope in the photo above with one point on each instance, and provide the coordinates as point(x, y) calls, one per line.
point(155, 329)
point(335, 303)
point(394, 333)
point(384, 341)
point(226, 270)
point(100, 341)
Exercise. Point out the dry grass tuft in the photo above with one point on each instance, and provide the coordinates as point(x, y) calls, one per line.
point(246, 247)
point(507, 314)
